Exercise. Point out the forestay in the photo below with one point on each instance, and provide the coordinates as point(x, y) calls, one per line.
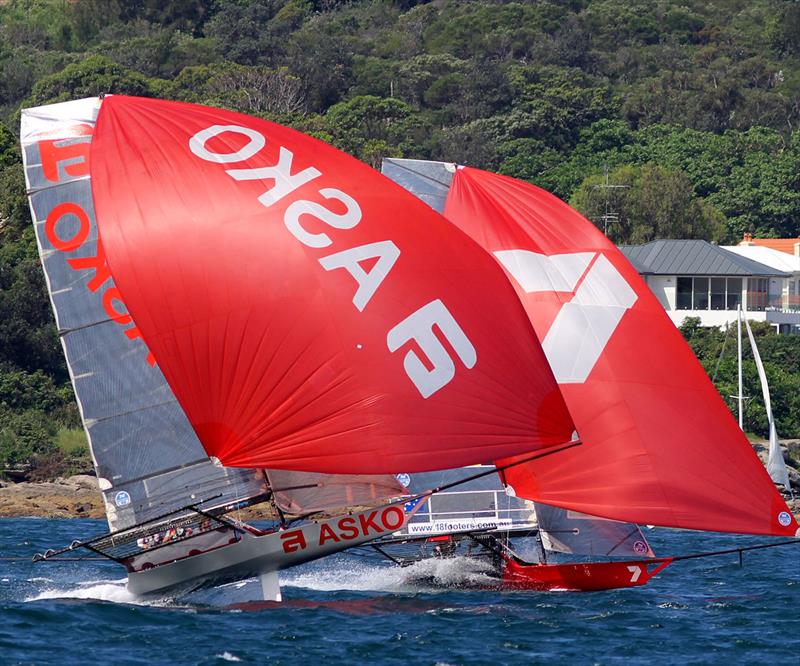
point(298, 493)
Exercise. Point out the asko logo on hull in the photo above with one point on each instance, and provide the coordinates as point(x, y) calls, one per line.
point(361, 526)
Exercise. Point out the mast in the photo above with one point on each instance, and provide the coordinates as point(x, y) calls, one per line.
point(739, 396)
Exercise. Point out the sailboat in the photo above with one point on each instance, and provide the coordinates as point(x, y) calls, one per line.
point(516, 544)
point(252, 318)
point(776, 465)
point(659, 445)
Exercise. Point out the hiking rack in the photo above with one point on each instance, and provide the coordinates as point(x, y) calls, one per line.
point(151, 534)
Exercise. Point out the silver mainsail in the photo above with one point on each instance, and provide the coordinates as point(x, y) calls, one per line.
point(147, 457)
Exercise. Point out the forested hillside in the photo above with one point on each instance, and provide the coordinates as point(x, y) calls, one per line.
point(693, 105)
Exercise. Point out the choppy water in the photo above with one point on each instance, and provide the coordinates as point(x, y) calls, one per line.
point(351, 609)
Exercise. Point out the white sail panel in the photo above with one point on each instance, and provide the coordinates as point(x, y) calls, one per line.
point(776, 466)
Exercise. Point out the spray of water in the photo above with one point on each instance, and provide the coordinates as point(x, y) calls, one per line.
point(334, 575)
point(427, 575)
point(100, 590)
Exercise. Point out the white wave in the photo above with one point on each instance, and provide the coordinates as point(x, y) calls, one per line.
point(451, 572)
point(227, 656)
point(425, 575)
point(344, 576)
point(114, 591)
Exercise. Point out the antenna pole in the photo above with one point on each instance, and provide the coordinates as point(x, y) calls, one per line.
point(739, 348)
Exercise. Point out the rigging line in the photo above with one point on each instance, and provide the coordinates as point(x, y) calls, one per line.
point(387, 555)
point(721, 353)
point(168, 470)
point(634, 529)
point(447, 486)
point(135, 411)
point(66, 331)
point(425, 176)
point(60, 559)
point(712, 553)
point(133, 528)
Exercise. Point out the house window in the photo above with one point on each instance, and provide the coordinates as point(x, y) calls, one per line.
point(717, 293)
point(734, 293)
point(757, 293)
point(702, 293)
point(684, 301)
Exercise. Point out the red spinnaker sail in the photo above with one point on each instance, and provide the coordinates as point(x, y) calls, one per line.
point(308, 313)
point(660, 447)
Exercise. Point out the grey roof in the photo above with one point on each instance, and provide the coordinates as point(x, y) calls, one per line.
point(692, 257)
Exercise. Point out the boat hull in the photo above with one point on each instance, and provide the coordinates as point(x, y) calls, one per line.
point(252, 553)
point(585, 577)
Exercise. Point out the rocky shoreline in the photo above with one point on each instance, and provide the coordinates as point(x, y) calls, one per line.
point(73, 497)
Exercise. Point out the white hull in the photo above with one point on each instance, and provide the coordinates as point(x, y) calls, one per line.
point(256, 554)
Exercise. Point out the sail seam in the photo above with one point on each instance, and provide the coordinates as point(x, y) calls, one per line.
point(134, 411)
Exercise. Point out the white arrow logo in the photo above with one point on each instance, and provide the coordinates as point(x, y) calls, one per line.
point(584, 325)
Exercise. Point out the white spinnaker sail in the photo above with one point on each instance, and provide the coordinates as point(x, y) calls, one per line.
point(148, 459)
point(776, 466)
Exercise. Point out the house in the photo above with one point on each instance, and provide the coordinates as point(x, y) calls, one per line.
point(784, 245)
point(695, 278)
point(789, 298)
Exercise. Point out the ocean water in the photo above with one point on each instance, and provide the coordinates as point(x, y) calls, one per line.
point(356, 609)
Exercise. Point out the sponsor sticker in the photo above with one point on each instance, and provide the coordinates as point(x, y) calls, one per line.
point(639, 547)
point(784, 518)
point(403, 479)
point(458, 525)
point(122, 498)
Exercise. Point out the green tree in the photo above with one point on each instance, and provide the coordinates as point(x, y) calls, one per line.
point(94, 76)
point(647, 203)
point(371, 128)
point(24, 435)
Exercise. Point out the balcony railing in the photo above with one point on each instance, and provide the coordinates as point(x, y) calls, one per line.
point(759, 301)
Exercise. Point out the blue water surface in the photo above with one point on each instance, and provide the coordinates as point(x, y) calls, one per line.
point(356, 609)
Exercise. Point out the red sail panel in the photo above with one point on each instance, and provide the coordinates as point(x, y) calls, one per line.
point(660, 447)
point(308, 313)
